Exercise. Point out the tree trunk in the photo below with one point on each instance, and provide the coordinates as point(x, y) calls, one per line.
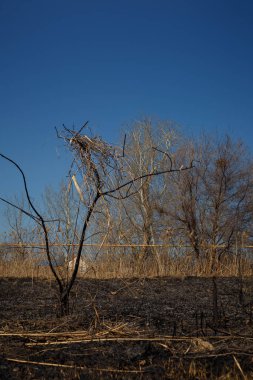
point(64, 303)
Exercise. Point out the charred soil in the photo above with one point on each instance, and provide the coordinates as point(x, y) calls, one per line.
point(145, 328)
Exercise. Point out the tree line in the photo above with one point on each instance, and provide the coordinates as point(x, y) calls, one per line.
point(156, 187)
point(208, 206)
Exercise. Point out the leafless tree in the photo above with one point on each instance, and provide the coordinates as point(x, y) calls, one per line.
point(148, 147)
point(212, 203)
point(98, 172)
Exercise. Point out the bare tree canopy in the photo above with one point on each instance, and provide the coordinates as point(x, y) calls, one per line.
point(212, 203)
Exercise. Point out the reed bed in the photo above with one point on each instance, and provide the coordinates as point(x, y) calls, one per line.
point(117, 265)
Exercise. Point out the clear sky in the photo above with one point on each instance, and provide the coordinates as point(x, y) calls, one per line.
point(114, 61)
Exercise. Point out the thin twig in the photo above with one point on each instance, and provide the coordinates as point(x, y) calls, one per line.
point(35, 218)
point(239, 367)
point(47, 364)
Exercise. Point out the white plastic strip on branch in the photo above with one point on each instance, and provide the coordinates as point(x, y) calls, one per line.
point(77, 187)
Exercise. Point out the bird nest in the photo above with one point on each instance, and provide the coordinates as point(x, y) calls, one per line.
point(92, 154)
point(85, 147)
point(88, 149)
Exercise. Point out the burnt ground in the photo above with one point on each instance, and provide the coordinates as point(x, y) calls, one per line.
point(160, 328)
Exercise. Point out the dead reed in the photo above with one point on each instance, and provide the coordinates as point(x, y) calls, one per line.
point(116, 265)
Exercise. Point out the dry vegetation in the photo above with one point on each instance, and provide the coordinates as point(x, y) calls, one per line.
point(109, 265)
point(127, 327)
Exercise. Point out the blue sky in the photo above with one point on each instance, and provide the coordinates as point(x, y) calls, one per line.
point(114, 61)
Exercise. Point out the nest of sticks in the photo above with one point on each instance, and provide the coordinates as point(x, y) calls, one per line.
point(85, 146)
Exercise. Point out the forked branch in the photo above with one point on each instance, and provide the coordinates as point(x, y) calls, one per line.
point(37, 218)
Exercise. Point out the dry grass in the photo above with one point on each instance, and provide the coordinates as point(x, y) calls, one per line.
point(115, 265)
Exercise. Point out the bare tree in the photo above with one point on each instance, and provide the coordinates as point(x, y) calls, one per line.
point(148, 147)
point(98, 172)
point(212, 203)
